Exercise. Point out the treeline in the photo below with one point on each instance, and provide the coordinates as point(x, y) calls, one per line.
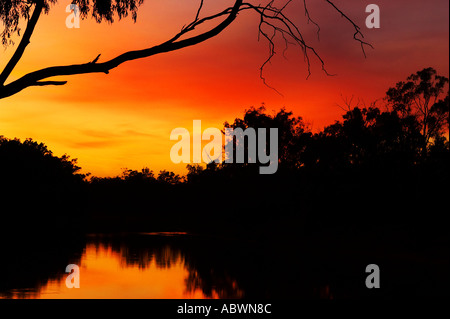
point(379, 166)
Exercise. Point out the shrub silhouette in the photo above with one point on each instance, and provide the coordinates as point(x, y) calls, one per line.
point(38, 190)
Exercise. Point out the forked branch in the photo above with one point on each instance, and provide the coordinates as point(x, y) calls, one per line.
point(271, 17)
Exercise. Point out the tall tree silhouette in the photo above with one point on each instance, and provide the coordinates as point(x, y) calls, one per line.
point(421, 96)
point(273, 22)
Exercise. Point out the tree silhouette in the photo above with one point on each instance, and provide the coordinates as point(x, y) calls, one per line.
point(32, 162)
point(273, 22)
point(37, 188)
point(420, 96)
point(292, 134)
point(169, 177)
point(366, 137)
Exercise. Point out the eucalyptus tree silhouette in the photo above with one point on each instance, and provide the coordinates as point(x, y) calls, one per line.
point(422, 96)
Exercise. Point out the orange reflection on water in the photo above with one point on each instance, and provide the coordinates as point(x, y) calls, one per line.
point(104, 273)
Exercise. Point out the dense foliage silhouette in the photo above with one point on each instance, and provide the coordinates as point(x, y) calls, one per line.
point(39, 191)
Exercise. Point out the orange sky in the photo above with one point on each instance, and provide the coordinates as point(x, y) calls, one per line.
point(124, 119)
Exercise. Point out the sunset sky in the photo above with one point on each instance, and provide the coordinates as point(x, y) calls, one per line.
point(124, 119)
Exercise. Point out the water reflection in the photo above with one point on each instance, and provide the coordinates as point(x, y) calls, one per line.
point(106, 273)
point(178, 265)
point(132, 266)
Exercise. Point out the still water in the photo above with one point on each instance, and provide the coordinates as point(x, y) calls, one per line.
point(171, 266)
point(181, 265)
point(145, 265)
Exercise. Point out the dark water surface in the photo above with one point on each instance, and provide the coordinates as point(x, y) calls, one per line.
point(180, 265)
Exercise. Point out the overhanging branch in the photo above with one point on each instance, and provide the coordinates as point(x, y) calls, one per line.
point(270, 17)
point(45, 83)
point(33, 78)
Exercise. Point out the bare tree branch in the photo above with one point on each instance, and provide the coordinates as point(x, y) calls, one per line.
point(45, 83)
point(271, 17)
point(357, 28)
point(199, 10)
point(311, 20)
point(33, 78)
